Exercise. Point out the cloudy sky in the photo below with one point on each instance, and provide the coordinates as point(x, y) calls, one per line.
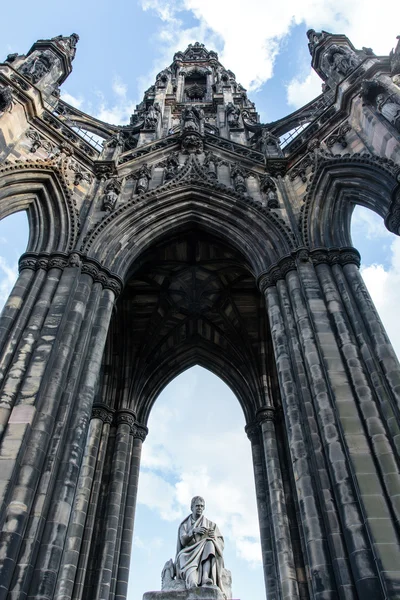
point(122, 46)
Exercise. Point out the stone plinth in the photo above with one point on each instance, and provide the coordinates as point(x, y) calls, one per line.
point(198, 593)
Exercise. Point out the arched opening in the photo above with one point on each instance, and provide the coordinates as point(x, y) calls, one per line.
point(14, 235)
point(380, 266)
point(196, 445)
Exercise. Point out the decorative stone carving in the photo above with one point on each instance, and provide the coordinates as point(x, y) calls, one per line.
point(171, 166)
point(339, 137)
point(126, 417)
point(192, 144)
point(232, 115)
point(268, 188)
point(210, 164)
point(143, 178)
point(103, 413)
point(38, 141)
point(266, 413)
point(152, 116)
point(314, 39)
point(140, 432)
point(238, 175)
point(37, 66)
point(6, 99)
point(395, 62)
point(112, 191)
point(67, 44)
point(341, 60)
point(389, 107)
point(80, 174)
point(74, 260)
point(192, 118)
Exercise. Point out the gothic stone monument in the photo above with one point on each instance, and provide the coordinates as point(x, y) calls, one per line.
point(198, 235)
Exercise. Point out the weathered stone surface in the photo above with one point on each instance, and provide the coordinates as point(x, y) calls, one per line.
point(218, 245)
point(199, 593)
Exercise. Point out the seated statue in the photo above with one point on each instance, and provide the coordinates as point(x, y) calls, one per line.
point(199, 561)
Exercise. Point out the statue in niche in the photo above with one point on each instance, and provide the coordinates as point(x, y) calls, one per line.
point(232, 115)
point(239, 182)
point(389, 107)
point(199, 555)
point(191, 118)
point(111, 193)
point(152, 115)
point(38, 66)
point(341, 60)
point(143, 179)
point(6, 99)
point(171, 166)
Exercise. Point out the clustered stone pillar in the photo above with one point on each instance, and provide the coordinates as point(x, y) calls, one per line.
point(53, 330)
point(338, 381)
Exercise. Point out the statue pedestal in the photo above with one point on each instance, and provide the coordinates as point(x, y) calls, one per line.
point(198, 593)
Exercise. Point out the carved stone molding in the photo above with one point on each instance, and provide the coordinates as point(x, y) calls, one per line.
point(126, 417)
point(392, 220)
point(266, 413)
point(317, 256)
point(140, 431)
point(301, 169)
point(99, 274)
point(102, 412)
point(339, 137)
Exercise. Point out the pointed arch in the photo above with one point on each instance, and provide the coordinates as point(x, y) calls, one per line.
point(40, 189)
point(340, 183)
point(258, 234)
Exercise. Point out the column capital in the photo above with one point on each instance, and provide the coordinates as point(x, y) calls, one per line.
point(252, 431)
point(61, 260)
point(140, 431)
point(126, 416)
point(316, 256)
point(266, 413)
point(102, 412)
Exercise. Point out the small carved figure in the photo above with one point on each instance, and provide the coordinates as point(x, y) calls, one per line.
point(151, 117)
point(67, 43)
point(232, 115)
point(395, 59)
point(111, 193)
point(171, 166)
point(143, 179)
point(389, 107)
point(239, 181)
point(341, 60)
point(190, 119)
point(6, 99)
point(313, 39)
point(210, 163)
point(268, 187)
point(192, 144)
point(162, 78)
point(37, 67)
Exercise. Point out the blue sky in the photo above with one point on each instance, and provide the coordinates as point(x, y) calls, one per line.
point(122, 46)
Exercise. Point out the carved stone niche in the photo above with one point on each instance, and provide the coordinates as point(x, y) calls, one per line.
point(268, 189)
point(386, 103)
point(341, 61)
point(112, 191)
point(38, 65)
point(6, 99)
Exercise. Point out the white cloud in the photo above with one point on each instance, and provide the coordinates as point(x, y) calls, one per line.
point(384, 287)
point(189, 452)
point(8, 276)
point(72, 100)
point(249, 37)
point(300, 91)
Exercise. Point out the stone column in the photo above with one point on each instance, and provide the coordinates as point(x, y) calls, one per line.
point(340, 414)
point(139, 434)
point(268, 548)
point(49, 420)
point(324, 548)
point(280, 523)
point(125, 424)
point(103, 415)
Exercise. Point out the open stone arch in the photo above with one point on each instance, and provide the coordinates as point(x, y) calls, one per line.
point(260, 236)
point(339, 184)
point(40, 189)
point(198, 238)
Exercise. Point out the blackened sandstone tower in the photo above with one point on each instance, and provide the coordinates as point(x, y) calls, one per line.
point(198, 235)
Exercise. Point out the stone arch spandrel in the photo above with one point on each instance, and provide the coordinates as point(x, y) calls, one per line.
point(259, 235)
point(336, 187)
point(42, 192)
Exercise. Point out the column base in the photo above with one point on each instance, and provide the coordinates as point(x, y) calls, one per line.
point(197, 593)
